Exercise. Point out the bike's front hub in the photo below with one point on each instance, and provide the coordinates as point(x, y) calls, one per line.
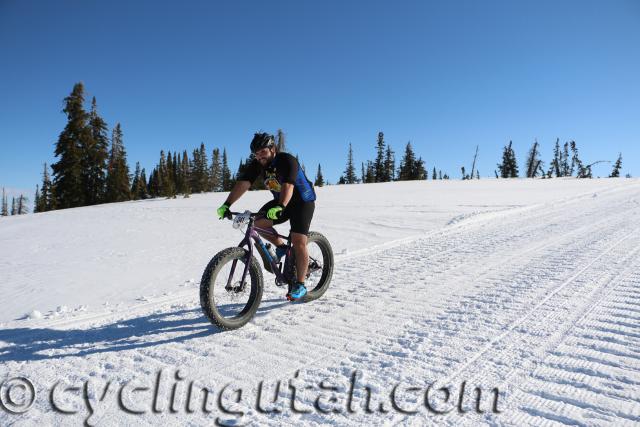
point(237, 288)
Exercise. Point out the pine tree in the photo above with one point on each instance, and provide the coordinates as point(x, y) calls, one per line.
point(513, 164)
point(118, 185)
point(281, 145)
point(5, 205)
point(319, 182)
point(508, 168)
point(227, 182)
point(139, 184)
point(185, 174)
point(556, 164)
point(152, 186)
point(14, 209)
point(439, 174)
point(161, 175)
point(350, 171)
point(363, 174)
point(216, 171)
point(566, 169)
point(175, 174)
point(380, 172)
point(142, 185)
point(170, 185)
point(195, 170)
point(390, 164)
point(407, 164)
point(370, 176)
point(47, 197)
point(134, 182)
point(533, 161)
point(68, 170)
point(504, 166)
point(420, 171)
point(21, 208)
point(576, 163)
point(94, 155)
point(203, 170)
point(434, 175)
point(36, 201)
point(615, 173)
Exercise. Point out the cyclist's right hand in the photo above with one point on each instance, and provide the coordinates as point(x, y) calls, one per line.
point(223, 211)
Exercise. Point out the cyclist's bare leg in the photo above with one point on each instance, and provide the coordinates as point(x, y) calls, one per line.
point(299, 242)
point(267, 224)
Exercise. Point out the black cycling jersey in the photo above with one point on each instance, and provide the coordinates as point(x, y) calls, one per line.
point(284, 168)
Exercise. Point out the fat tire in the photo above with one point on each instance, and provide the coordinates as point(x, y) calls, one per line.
point(208, 281)
point(327, 267)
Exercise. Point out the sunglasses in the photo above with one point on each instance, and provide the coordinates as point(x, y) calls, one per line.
point(261, 151)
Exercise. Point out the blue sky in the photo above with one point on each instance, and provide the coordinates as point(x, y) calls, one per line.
point(444, 75)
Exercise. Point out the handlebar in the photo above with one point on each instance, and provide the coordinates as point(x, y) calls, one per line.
point(251, 214)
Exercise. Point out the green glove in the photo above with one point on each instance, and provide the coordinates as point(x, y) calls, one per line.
point(223, 211)
point(275, 212)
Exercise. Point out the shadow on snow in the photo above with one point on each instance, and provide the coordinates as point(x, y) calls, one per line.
point(31, 344)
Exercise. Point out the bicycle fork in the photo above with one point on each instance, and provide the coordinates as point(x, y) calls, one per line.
point(240, 288)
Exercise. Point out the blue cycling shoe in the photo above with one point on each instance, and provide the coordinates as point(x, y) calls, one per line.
point(297, 291)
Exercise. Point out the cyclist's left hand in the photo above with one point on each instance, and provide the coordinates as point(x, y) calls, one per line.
point(275, 212)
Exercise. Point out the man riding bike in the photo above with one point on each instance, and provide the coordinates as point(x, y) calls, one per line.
point(293, 200)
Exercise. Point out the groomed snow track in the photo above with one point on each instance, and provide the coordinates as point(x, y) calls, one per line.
point(540, 302)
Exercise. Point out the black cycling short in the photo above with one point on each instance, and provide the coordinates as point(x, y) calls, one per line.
point(299, 214)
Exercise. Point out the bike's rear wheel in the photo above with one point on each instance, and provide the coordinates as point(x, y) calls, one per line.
point(231, 304)
point(320, 270)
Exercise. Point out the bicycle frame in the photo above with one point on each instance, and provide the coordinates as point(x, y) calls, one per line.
point(252, 235)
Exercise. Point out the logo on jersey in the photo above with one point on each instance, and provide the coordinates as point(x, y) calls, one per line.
point(271, 182)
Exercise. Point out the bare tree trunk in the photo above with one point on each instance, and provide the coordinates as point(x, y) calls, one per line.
point(473, 167)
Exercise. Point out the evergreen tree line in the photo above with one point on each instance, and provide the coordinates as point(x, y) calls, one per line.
point(383, 167)
point(18, 206)
point(89, 170)
point(565, 162)
point(176, 173)
point(92, 166)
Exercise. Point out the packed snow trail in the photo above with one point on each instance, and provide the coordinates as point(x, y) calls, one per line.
point(539, 302)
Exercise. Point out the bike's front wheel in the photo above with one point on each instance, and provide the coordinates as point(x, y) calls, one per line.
point(227, 300)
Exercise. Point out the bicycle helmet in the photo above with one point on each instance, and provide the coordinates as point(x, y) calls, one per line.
point(260, 141)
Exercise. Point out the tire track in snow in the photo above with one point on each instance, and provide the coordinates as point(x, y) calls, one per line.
point(614, 227)
point(402, 304)
point(581, 249)
point(590, 376)
point(393, 328)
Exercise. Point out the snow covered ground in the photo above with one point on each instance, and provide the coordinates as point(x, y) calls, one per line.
point(526, 289)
